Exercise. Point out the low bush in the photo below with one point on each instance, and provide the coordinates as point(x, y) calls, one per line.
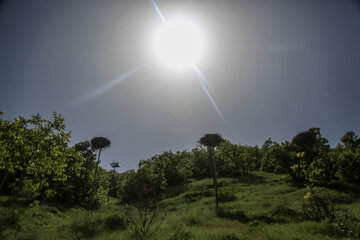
point(230, 236)
point(115, 222)
point(344, 225)
point(8, 218)
point(12, 226)
point(319, 206)
point(87, 226)
point(197, 218)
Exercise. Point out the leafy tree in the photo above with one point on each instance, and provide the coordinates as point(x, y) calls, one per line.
point(275, 157)
point(350, 140)
point(312, 147)
point(175, 166)
point(232, 161)
point(34, 153)
point(200, 165)
point(348, 162)
point(211, 141)
point(349, 166)
point(77, 187)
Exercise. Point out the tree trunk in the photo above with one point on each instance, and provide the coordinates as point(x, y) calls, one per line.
point(4, 180)
point(111, 186)
point(96, 170)
point(214, 177)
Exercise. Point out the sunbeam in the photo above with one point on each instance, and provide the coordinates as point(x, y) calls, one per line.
point(211, 99)
point(86, 98)
point(158, 11)
point(203, 78)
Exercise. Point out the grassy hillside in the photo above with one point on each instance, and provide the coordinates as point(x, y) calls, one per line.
point(261, 206)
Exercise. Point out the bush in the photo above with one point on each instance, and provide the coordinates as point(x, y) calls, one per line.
point(345, 225)
point(320, 206)
point(230, 236)
point(196, 218)
point(27, 232)
point(144, 220)
point(87, 226)
point(12, 227)
point(8, 218)
point(115, 222)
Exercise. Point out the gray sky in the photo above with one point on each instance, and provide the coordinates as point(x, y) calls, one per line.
point(276, 67)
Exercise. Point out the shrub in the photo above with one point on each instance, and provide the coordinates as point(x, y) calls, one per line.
point(27, 232)
point(230, 236)
point(115, 222)
point(144, 220)
point(87, 225)
point(319, 206)
point(345, 225)
point(8, 218)
point(196, 218)
point(14, 227)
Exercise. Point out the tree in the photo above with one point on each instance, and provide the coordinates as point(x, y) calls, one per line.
point(34, 153)
point(275, 157)
point(232, 160)
point(350, 140)
point(312, 149)
point(114, 185)
point(99, 143)
point(115, 165)
point(78, 186)
point(200, 166)
point(211, 141)
point(143, 190)
point(348, 161)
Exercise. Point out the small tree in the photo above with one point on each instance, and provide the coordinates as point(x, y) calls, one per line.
point(115, 165)
point(211, 141)
point(143, 191)
point(114, 186)
point(98, 143)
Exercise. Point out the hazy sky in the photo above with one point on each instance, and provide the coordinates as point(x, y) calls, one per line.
point(276, 68)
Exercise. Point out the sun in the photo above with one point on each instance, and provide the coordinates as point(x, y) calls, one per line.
point(178, 44)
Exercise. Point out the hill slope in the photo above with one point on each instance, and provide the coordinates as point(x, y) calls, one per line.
point(261, 206)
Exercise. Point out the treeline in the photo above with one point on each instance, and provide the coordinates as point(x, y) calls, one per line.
point(36, 161)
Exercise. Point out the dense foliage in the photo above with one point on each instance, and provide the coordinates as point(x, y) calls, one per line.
point(35, 157)
point(38, 164)
point(37, 161)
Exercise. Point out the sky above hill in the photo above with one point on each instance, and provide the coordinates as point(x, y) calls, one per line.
point(275, 68)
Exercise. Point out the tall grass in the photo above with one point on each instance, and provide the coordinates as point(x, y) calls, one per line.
point(267, 208)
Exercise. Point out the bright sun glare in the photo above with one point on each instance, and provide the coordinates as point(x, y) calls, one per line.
point(178, 44)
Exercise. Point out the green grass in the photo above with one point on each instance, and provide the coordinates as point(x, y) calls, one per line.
point(261, 206)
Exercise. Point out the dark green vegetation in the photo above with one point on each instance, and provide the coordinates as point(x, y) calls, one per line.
point(302, 189)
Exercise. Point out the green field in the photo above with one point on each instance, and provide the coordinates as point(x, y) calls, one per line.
point(260, 206)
